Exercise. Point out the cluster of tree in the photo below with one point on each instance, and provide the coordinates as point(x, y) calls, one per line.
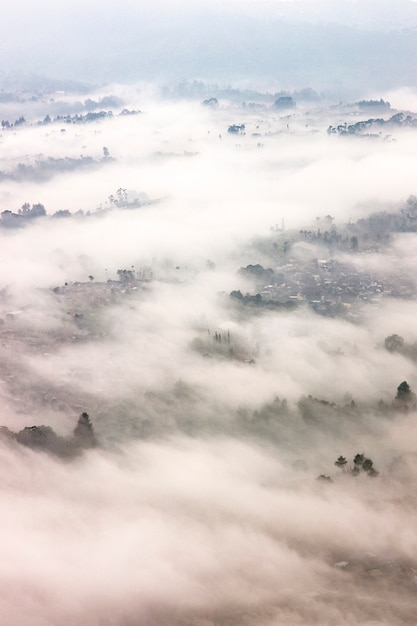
point(77, 118)
point(210, 102)
point(25, 214)
point(107, 102)
point(67, 119)
point(306, 94)
point(396, 344)
point(43, 169)
point(258, 301)
point(320, 412)
point(199, 89)
point(361, 465)
point(277, 421)
point(369, 233)
point(45, 439)
point(65, 213)
point(91, 116)
point(236, 129)
point(285, 99)
point(6, 124)
point(126, 276)
point(331, 238)
point(397, 120)
point(218, 337)
point(314, 410)
point(121, 200)
point(381, 224)
point(36, 210)
point(284, 102)
point(257, 273)
point(222, 343)
point(373, 104)
point(129, 112)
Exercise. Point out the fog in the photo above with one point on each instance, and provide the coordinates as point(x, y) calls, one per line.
point(214, 284)
point(339, 46)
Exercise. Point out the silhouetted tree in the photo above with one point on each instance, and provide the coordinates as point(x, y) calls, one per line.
point(405, 398)
point(84, 435)
point(236, 129)
point(341, 462)
point(284, 102)
point(394, 343)
point(126, 275)
point(403, 391)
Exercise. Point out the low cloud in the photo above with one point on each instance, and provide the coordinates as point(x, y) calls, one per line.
point(201, 505)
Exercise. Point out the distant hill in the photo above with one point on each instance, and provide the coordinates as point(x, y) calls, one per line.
point(334, 46)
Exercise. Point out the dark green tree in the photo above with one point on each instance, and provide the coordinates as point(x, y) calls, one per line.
point(84, 436)
point(341, 462)
point(403, 391)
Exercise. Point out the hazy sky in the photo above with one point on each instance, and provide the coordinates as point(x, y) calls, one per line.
point(323, 44)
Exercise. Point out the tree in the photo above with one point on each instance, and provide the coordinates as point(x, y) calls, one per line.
point(394, 343)
point(25, 209)
point(121, 195)
point(284, 102)
point(358, 460)
point(236, 129)
point(341, 462)
point(237, 294)
point(367, 465)
point(37, 210)
point(403, 391)
point(126, 275)
point(211, 102)
point(405, 398)
point(361, 464)
point(41, 437)
point(84, 435)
